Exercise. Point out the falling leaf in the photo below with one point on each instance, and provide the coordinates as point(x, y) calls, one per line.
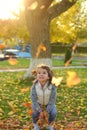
point(72, 79)
point(68, 62)
point(40, 48)
point(43, 47)
point(2, 46)
point(74, 47)
point(25, 90)
point(12, 61)
point(57, 81)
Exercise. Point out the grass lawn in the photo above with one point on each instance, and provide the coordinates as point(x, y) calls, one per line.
point(21, 63)
point(25, 62)
point(71, 102)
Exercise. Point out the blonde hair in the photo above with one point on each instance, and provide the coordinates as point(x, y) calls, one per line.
point(43, 66)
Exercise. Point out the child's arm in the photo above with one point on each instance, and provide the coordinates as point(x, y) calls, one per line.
point(52, 99)
point(35, 104)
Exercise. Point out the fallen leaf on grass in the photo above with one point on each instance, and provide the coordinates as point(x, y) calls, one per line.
point(11, 124)
point(10, 113)
point(1, 123)
point(31, 112)
point(11, 106)
point(24, 90)
point(27, 104)
point(25, 129)
point(1, 111)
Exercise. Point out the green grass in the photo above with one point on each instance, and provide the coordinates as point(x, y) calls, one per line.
point(24, 63)
point(75, 62)
point(71, 102)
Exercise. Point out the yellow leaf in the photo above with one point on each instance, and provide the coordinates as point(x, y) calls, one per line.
point(74, 47)
point(11, 113)
point(1, 114)
point(24, 90)
point(1, 111)
point(72, 79)
point(12, 107)
point(40, 48)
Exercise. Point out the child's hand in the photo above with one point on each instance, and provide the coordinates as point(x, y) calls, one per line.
point(41, 115)
point(43, 119)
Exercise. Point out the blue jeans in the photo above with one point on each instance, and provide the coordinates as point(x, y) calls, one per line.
point(52, 115)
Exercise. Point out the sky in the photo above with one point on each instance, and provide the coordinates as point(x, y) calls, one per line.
point(9, 6)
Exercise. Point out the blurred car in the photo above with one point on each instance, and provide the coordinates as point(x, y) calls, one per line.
point(23, 54)
point(7, 54)
point(14, 53)
point(1, 57)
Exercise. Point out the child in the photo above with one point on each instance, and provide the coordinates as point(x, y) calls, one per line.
point(43, 93)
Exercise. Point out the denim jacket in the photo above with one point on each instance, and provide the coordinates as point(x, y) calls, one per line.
point(36, 105)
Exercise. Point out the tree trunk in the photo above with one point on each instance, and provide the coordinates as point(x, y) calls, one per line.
point(39, 14)
point(39, 38)
point(39, 26)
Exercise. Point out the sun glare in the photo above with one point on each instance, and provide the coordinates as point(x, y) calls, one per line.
point(84, 6)
point(8, 7)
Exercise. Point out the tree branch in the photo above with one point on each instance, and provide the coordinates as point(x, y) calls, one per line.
point(41, 6)
point(59, 8)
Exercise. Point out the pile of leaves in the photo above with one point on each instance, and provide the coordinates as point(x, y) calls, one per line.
point(15, 124)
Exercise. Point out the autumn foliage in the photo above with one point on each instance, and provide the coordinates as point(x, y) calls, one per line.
point(16, 108)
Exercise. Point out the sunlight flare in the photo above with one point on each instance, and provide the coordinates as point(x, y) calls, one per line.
point(8, 7)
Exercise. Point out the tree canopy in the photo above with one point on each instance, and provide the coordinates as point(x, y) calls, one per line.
point(64, 28)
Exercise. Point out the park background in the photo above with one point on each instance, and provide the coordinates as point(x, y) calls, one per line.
point(68, 40)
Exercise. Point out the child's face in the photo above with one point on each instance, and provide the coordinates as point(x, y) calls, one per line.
point(42, 75)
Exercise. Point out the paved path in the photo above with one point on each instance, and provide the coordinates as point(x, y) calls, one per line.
point(13, 70)
point(25, 69)
point(63, 67)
